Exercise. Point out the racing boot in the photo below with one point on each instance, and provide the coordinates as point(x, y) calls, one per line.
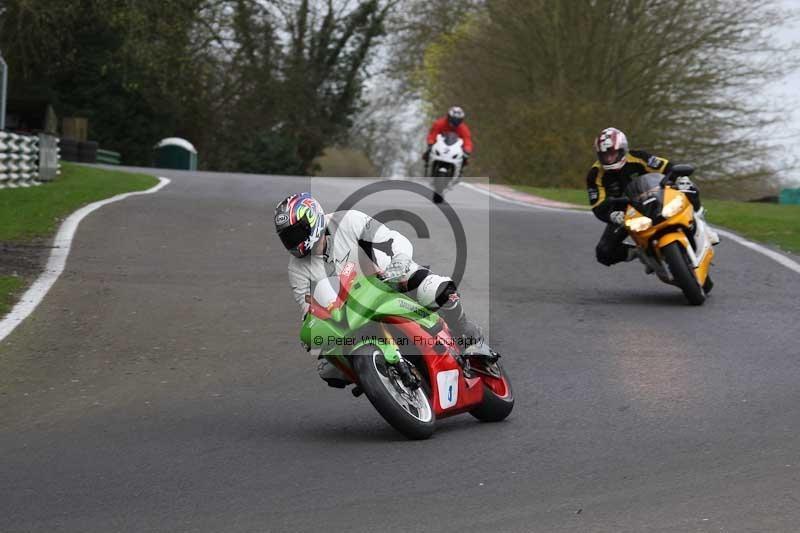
point(439, 294)
point(466, 333)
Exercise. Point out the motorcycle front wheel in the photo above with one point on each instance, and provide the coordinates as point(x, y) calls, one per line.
point(439, 185)
point(680, 267)
point(408, 411)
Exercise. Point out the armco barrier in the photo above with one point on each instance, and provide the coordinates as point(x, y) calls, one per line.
point(27, 160)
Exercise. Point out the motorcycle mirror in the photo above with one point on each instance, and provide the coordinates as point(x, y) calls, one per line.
point(682, 170)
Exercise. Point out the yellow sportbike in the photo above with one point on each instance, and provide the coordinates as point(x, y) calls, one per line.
point(672, 240)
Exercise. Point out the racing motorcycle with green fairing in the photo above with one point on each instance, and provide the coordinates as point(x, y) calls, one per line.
point(402, 356)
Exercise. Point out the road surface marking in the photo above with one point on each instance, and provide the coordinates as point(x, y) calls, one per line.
point(763, 250)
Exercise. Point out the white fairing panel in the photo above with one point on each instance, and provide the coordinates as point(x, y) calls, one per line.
point(451, 154)
point(701, 239)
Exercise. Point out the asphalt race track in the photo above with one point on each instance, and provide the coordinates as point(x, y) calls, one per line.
point(161, 386)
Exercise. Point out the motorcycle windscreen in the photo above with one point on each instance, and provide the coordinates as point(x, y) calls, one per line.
point(451, 138)
point(646, 194)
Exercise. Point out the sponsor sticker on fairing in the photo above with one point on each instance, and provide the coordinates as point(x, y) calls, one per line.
point(654, 162)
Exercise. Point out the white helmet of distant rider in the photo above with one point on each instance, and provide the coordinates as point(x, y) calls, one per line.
point(455, 116)
point(611, 147)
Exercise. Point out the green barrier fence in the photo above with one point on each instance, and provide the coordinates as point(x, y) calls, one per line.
point(790, 196)
point(108, 157)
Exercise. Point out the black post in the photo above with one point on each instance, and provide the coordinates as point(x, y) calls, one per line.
point(3, 91)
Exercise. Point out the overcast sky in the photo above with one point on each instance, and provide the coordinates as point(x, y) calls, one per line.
point(786, 94)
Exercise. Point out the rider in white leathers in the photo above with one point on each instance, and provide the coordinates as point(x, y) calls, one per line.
point(321, 245)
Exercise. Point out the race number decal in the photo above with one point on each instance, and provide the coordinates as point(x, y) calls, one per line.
point(448, 388)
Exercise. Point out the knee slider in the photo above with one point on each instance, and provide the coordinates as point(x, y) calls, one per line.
point(435, 291)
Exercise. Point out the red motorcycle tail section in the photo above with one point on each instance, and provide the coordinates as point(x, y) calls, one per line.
point(452, 393)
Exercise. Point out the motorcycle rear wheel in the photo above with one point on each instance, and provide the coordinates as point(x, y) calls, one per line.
point(679, 266)
point(498, 399)
point(409, 412)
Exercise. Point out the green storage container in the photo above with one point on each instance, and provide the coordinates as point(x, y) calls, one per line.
point(790, 196)
point(175, 153)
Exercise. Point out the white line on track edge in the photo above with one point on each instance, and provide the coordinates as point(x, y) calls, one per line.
point(763, 250)
point(58, 258)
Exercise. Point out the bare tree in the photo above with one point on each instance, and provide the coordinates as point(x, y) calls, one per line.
point(292, 79)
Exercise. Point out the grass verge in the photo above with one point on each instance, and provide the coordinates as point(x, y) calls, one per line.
point(36, 212)
point(769, 223)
